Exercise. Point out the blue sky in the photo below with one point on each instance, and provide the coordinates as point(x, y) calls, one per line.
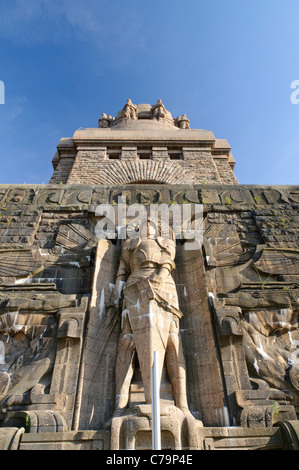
point(228, 65)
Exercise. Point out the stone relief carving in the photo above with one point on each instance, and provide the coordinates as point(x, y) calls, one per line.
point(150, 315)
point(19, 263)
point(75, 237)
point(265, 326)
point(39, 196)
point(271, 345)
point(259, 322)
point(261, 340)
point(278, 261)
point(41, 339)
point(225, 245)
point(29, 350)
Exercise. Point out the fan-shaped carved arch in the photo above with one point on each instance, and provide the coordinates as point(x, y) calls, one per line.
point(129, 172)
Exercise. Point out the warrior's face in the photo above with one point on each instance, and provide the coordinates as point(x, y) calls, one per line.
point(148, 230)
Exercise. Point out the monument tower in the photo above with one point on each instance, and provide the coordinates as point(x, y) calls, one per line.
point(93, 279)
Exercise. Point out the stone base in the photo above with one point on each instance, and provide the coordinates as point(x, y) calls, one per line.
point(284, 436)
point(133, 430)
point(69, 440)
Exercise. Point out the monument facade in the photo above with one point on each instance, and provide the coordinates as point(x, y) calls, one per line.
point(144, 241)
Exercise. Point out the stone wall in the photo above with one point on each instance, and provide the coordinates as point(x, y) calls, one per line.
point(239, 295)
point(106, 165)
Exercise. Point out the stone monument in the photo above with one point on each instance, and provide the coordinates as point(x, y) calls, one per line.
point(94, 279)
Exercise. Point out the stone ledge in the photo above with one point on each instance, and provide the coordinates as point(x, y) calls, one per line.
point(70, 440)
point(227, 438)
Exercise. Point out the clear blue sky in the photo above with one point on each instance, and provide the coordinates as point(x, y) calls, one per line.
point(228, 65)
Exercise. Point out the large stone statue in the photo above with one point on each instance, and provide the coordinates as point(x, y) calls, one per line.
point(150, 315)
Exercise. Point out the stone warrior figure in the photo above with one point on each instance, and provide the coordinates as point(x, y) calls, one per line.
point(130, 110)
point(150, 315)
point(183, 122)
point(158, 110)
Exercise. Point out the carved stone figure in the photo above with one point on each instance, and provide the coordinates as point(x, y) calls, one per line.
point(183, 122)
point(29, 357)
point(130, 110)
point(158, 110)
point(150, 315)
point(29, 328)
point(105, 120)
